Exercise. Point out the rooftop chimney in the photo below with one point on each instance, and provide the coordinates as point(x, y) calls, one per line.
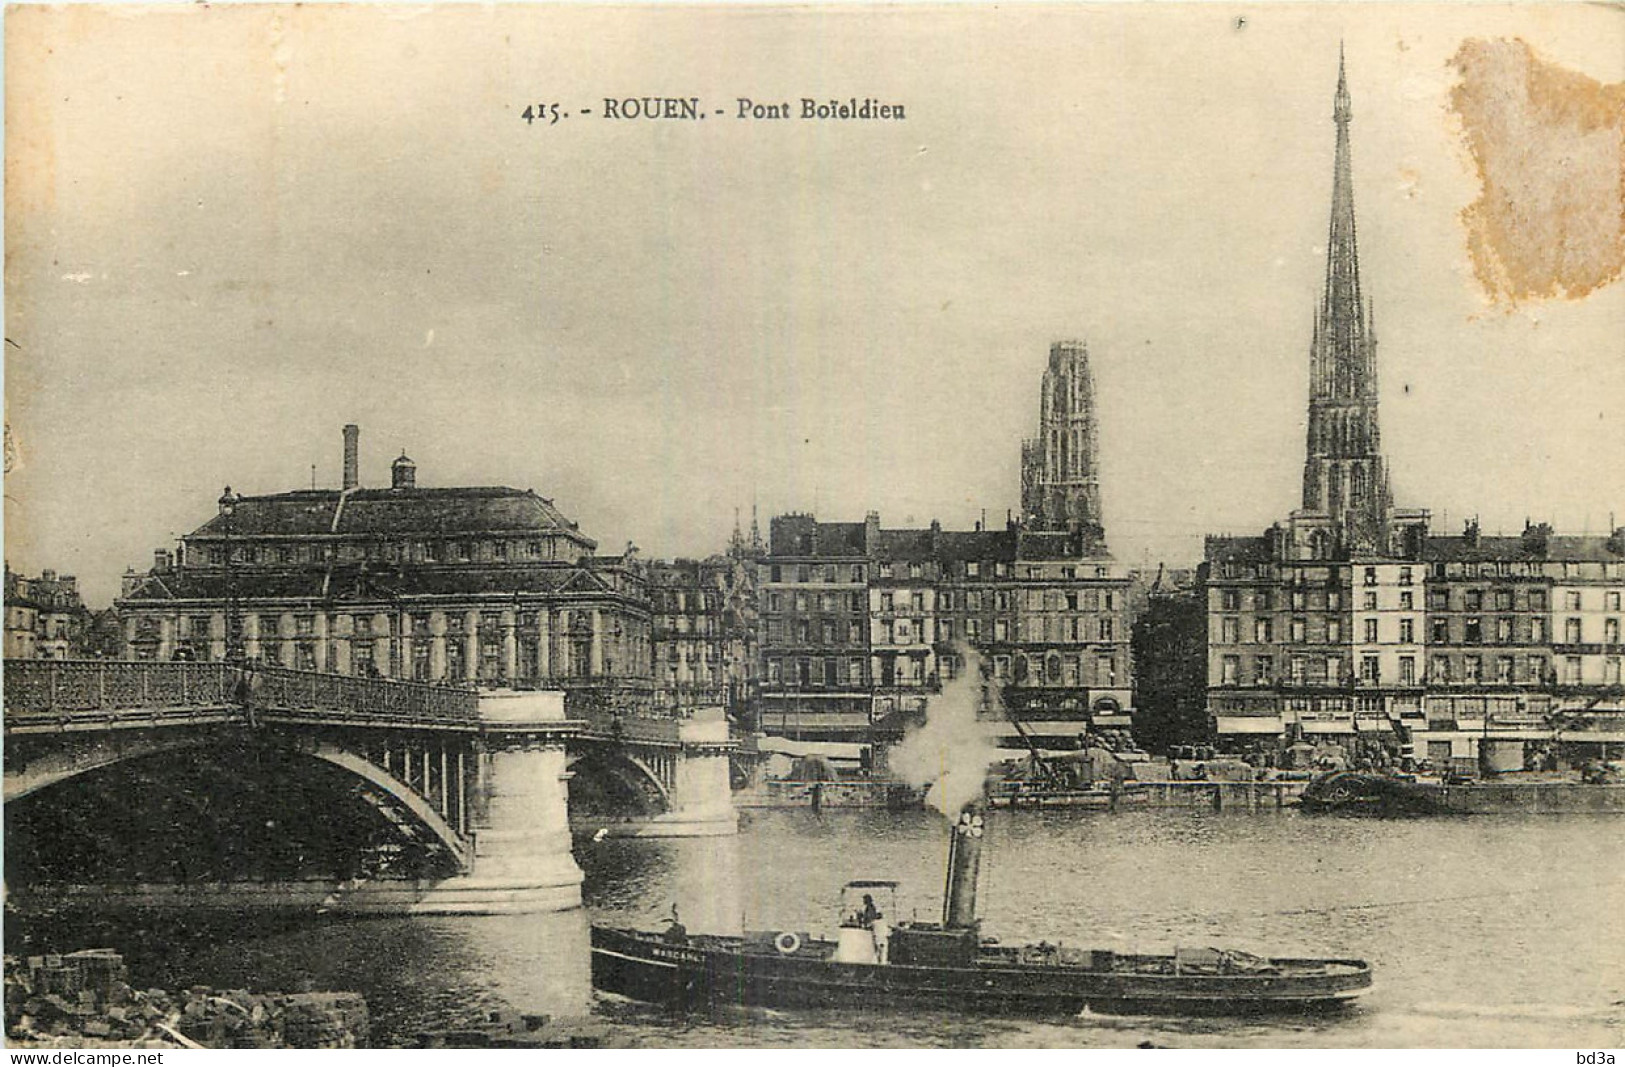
point(352, 463)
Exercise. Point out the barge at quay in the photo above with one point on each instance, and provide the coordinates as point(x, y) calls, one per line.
point(874, 964)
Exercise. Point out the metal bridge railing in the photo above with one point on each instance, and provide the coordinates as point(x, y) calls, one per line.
point(58, 687)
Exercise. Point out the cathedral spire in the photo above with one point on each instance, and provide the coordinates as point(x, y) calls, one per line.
point(1344, 475)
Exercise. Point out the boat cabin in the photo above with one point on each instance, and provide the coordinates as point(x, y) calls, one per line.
point(867, 909)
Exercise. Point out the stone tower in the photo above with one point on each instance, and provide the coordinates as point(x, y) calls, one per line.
point(1060, 477)
point(1344, 476)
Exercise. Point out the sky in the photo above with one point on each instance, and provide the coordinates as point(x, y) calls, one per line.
point(232, 230)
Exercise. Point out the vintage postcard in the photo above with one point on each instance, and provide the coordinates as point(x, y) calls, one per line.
point(677, 525)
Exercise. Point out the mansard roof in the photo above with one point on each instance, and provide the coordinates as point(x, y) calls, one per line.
point(1228, 549)
point(394, 513)
point(1571, 548)
point(355, 583)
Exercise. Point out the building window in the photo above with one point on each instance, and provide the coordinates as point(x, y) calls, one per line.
point(1441, 631)
point(887, 601)
point(775, 672)
point(1537, 600)
point(1537, 630)
point(1472, 668)
point(1334, 630)
point(1503, 630)
point(973, 569)
point(1407, 602)
point(1571, 631)
point(1299, 629)
point(1370, 602)
point(1613, 600)
point(829, 572)
point(1572, 598)
point(1475, 631)
point(1439, 673)
point(854, 632)
point(1334, 600)
point(857, 572)
point(1404, 576)
point(1611, 670)
point(1001, 630)
point(1407, 631)
point(775, 573)
point(1106, 671)
point(1264, 631)
point(1231, 599)
point(773, 602)
point(916, 601)
point(1503, 670)
point(1503, 600)
point(1334, 670)
point(803, 573)
point(1475, 599)
point(1371, 576)
point(1001, 601)
point(1230, 630)
point(1610, 631)
point(1300, 670)
point(1298, 600)
point(1407, 670)
point(1106, 629)
point(1370, 671)
point(1371, 631)
point(1571, 670)
point(1263, 670)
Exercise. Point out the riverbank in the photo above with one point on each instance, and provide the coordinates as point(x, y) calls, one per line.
point(84, 1000)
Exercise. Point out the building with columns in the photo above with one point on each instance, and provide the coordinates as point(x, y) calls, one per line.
point(479, 586)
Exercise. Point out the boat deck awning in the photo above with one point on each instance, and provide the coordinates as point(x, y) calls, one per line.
point(1248, 724)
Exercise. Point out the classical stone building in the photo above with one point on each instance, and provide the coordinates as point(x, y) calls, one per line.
point(486, 586)
point(1349, 618)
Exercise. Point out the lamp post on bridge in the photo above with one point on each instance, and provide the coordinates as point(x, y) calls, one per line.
point(233, 644)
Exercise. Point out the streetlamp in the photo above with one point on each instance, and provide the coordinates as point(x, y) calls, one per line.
point(234, 651)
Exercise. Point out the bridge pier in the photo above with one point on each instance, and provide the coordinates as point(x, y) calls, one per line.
point(522, 861)
point(701, 797)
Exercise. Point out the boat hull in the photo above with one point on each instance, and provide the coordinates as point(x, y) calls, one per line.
point(708, 973)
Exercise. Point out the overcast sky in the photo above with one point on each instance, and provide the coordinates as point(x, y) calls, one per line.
point(232, 230)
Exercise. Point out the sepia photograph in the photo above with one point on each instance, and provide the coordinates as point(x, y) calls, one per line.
point(966, 526)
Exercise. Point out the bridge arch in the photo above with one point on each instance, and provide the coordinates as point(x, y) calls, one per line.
point(628, 775)
point(57, 768)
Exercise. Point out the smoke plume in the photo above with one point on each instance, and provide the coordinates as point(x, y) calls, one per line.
point(951, 752)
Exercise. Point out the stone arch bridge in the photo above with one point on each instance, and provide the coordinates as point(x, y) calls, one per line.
point(477, 778)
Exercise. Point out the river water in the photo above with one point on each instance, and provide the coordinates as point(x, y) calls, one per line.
point(1482, 932)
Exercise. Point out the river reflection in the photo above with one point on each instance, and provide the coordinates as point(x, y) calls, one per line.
point(1482, 932)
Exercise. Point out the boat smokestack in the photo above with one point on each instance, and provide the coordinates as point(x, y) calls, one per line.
point(964, 864)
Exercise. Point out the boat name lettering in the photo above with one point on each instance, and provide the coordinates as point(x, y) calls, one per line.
point(686, 955)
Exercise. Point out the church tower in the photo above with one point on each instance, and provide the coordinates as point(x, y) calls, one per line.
point(1344, 476)
point(1060, 478)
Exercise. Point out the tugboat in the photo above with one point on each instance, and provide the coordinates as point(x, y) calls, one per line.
point(875, 963)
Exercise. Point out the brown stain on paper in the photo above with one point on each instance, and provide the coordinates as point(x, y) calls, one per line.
point(1549, 146)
